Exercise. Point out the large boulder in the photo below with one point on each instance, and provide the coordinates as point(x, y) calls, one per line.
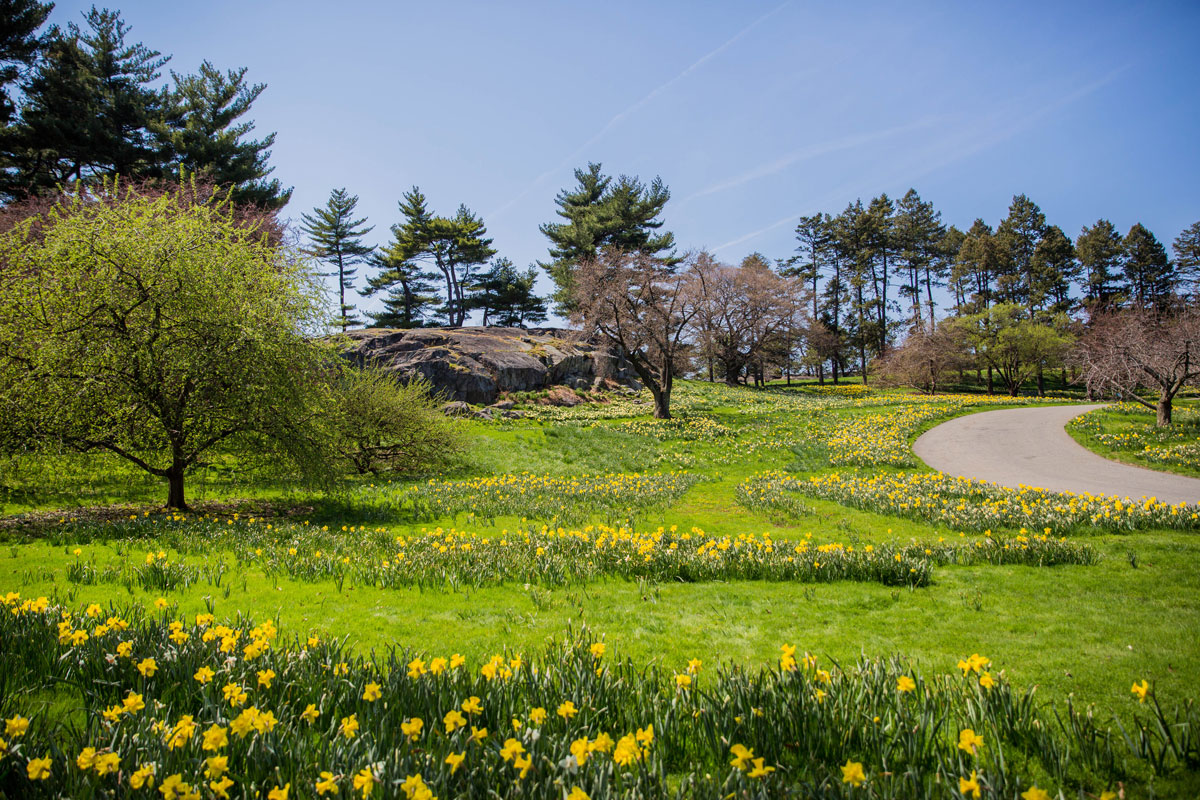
point(475, 365)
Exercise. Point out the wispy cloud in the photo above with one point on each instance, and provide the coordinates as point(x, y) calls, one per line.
point(980, 135)
point(807, 153)
point(621, 116)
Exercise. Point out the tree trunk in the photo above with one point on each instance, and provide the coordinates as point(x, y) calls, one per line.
point(1163, 410)
point(991, 389)
point(662, 402)
point(175, 497)
point(1041, 383)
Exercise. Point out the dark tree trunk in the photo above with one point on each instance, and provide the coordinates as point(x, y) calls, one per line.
point(1163, 411)
point(175, 497)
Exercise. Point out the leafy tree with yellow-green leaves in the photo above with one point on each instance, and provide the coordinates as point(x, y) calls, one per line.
point(159, 327)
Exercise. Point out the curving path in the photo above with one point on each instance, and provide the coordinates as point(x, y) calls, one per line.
point(1029, 446)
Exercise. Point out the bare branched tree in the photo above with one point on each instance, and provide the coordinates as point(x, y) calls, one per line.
point(746, 316)
point(1135, 350)
point(642, 306)
point(924, 360)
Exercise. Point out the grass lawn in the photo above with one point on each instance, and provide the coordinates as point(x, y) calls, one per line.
point(1084, 633)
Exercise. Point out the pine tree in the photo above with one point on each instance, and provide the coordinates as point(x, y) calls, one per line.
point(882, 247)
point(19, 46)
point(506, 297)
point(599, 213)
point(410, 293)
point(853, 237)
point(1148, 272)
point(815, 242)
point(89, 108)
point(1055, 268)
point(919, 233)
point(1017, 238)
point(1187, 260)
point(201, 135)
point(455, 245)
point(336, 238)
point(1101, 255)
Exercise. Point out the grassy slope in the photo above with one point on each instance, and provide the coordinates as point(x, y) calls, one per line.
point(1089, 631)
point(1112, 422)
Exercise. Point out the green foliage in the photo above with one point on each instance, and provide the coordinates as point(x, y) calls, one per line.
point(454, 245)
point(1013, 345)
point(1101, 254)
point(381, 424)
point(199, 134)
point(336, 238)
point(1187, 259)
point(1148, 270)
point(19, 46)
point(601, 214)
point(88, 109)
point(91, 109)
point(507, 297)
point(156, 328)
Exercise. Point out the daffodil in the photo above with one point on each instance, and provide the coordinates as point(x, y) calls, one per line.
point(852, 773)
point(969, 785)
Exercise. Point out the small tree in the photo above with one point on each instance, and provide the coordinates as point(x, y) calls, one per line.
point(336, 239)
point(1142, 350)
point(156, 328)
point(381, 424)
point(642, 306)
point(1014, 347)
point(924, 360)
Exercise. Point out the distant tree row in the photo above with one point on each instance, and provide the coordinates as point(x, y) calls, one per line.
point(872, 285)
point(81, 103)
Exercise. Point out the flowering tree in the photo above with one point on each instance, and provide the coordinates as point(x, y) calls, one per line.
point(1142, 349)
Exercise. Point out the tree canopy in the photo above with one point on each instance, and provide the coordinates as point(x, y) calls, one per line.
point(601, 213)
point(157, 327)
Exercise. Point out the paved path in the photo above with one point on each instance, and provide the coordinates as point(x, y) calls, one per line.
point(1029, 446)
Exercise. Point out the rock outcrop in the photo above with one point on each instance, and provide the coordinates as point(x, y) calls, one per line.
point(475, 365)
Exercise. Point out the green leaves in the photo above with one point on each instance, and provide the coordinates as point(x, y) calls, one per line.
point(156, 327)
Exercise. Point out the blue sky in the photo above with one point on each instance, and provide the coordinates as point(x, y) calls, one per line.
point(752, 113)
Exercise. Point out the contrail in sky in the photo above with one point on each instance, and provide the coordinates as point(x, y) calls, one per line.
point(807, 153)
point(620, 117)
point(985, 135)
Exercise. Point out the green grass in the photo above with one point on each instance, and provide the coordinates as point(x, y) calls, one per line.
point(1123, 433)
point(1085, 632)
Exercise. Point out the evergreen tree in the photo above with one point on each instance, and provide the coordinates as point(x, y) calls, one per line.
point(19, 46)
point(815, 242)
point(201, 135)
point(1101, 255)
point(410, 293)
point(336, 238)
point(1187, 260)
point(853, 237)
point(944, 265)
point(88, 108)
point(882, 249)
point(452, 244)
point(1055, 268)
point(506, 297)
point(1017, 238)
point(601, 213)
point(919, 237)
point(1148, 272)
point(977, 267)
